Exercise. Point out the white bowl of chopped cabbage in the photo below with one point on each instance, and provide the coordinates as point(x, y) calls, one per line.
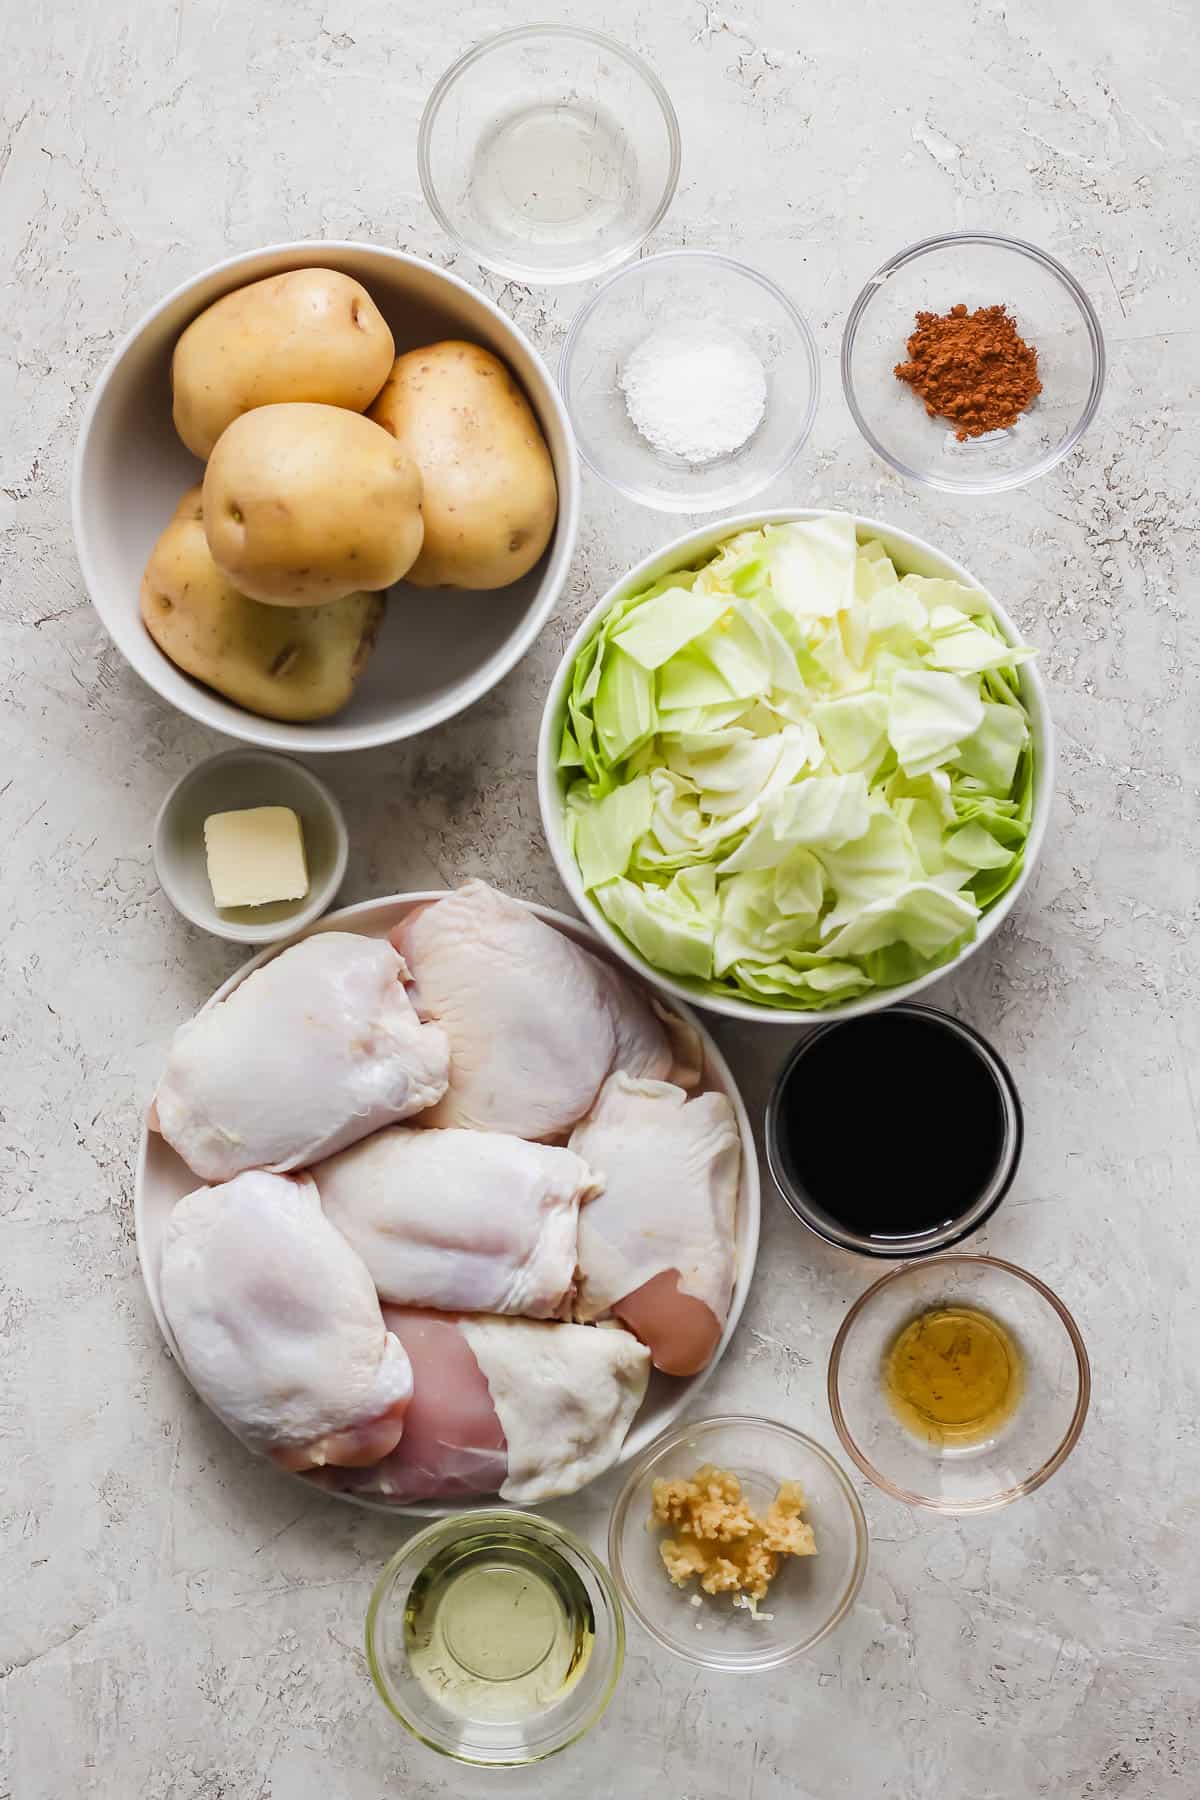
point(796, 763)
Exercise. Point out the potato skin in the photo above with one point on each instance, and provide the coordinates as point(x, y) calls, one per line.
point(282, 662)
point(490, 498)
point(304, 504)
point(311, 334)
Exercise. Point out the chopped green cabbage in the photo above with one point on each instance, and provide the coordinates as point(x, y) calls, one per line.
point(793, 775)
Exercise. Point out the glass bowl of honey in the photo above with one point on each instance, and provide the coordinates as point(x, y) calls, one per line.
point(495, 1637)
point(959, 1383)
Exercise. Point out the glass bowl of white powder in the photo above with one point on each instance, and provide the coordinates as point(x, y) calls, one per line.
point(691, 381)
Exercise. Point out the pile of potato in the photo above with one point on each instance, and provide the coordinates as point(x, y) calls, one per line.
point(335, 468)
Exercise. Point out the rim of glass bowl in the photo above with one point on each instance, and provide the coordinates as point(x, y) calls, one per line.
point(976, 1215)
point(999, 483)
point(1006, 1496)
point(683, 1433)
point(547, 28)
point(441, 1528)
point(686, 503)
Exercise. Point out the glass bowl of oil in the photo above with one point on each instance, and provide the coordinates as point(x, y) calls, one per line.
point(808, 1595)
point(959, 1383)
point(550, 152)
point(495, 1637)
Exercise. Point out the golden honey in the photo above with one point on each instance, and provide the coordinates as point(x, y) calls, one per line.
point(953, 1376)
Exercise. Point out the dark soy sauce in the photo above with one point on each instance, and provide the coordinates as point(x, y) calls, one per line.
point(892, 1126)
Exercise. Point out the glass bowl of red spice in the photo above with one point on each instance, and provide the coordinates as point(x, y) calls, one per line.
point(972, 362)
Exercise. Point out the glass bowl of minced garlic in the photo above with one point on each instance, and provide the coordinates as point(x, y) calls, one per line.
point(737, 1542)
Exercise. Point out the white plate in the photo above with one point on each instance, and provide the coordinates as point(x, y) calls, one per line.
point(162, 1179)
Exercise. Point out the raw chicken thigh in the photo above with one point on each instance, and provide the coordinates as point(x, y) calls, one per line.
point(466, 1221)
point(279, 1324)
point(656, 1250)
point(313, 1051)
point(535, 1023)
point(453, 1445)
point(533, 1410)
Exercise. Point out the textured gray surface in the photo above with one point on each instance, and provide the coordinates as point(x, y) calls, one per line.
point(178, 1621)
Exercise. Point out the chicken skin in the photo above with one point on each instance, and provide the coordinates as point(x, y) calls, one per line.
point(535, 1023)
point(279, 1325)
point(313, 1051)
point(529, 1409)
point(656, 1249)
point(465, 1221)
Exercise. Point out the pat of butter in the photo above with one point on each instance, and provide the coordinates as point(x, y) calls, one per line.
point(255, 856)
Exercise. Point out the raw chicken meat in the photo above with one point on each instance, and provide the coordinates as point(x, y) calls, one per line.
point(531, 1409)
point(313, 1051)
point(656, 1250)
point(465, 1221)
point(279, 1325)
point(535, 1023)
point(453, 1445)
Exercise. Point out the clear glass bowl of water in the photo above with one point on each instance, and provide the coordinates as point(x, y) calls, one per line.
point(495, 1637)
point(549, 152)
point(708, 294)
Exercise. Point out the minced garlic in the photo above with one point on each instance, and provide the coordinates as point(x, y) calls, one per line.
point(718, 1538)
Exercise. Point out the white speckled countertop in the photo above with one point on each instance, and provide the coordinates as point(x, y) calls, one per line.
point(178, 1623)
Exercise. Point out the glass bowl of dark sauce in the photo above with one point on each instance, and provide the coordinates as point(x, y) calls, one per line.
point(894, 1135)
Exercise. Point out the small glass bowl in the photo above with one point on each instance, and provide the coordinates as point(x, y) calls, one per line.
point(679, 286)
point(1025, 1451)
point(549, 152)
point(961, 1224)
point(975, 268)
point(809, 1595)
point(494, 1741)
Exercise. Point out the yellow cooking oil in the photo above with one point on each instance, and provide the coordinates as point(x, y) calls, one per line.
point(497, 1629)
point(954, 1376)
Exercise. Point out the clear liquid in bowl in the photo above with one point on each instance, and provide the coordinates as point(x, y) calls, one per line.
point(557, 172)
point(498, 1628)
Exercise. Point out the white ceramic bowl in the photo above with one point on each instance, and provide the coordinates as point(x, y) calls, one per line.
point(225, 783)
point(162, 1179)
point(438, 652)
point(913, 556)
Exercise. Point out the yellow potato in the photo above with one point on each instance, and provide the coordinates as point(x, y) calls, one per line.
point(312, 334)
point(490, 498)
point(283, 662)
point(303, 504)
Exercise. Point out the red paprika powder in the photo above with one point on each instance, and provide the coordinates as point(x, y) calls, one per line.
point(973, 368)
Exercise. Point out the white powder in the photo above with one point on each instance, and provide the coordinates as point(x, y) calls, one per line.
point(694, 389)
